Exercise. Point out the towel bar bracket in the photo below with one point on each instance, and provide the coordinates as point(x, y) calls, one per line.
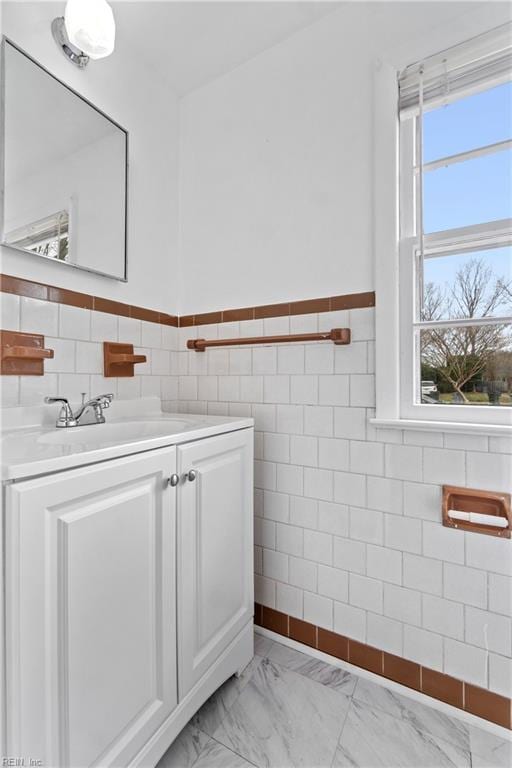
point(23, 354)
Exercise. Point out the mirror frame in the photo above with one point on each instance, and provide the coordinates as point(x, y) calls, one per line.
point(124, 278)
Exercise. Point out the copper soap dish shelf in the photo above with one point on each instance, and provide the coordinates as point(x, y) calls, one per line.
point(23, 354)
point(336, 335)
point(486, 512)
point(119, 359)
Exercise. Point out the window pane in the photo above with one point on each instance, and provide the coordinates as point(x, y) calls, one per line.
point(475, 121)
point(466, 366)
point(472, 192)
point(475, 284)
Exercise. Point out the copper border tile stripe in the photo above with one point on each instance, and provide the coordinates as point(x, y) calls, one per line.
point(305, 307)
point(208, 318)
point(353, 301)
point(149, 315)
point(231, 315)
point(479, 701)
point(166, 319)
point(271, 310)
point(71, 298)
point(34, 290)
point(309, 306)
point(21, 287)
point(112, 307)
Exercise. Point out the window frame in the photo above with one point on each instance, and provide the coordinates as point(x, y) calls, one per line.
point(462, 239)
point(396, 283)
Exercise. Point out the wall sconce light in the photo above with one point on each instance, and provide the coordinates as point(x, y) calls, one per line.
point(86, 31)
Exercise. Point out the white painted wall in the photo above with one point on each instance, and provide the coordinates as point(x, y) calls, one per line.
point(276, 177)
point(135, 97)
point(276, 158)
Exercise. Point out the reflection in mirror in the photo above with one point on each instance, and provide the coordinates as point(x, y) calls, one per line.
point(64, 172)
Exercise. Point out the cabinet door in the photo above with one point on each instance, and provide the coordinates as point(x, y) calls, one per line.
point(91, 649)
point(215, 573)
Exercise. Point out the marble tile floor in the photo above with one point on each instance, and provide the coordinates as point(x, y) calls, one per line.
point(289, 709)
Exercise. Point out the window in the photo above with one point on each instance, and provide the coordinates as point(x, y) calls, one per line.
point(455, 254)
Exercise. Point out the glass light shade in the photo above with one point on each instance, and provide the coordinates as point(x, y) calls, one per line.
point(90, 27)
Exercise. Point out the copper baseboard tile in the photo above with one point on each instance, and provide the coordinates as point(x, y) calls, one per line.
point(335, 645)
point(303, 632)
point(274, 620)
point(306, 307)
point(365, 656)
point(402, 671)
point(442, 687)
point(33, 290)
point(478, 701)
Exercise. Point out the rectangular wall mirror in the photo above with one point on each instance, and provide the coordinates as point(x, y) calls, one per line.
point(65, 172)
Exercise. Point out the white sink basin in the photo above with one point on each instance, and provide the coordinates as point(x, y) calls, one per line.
point(114, 432)
point(31, 445)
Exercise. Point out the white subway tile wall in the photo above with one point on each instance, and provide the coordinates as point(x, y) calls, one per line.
point(359, 546)
point(348, 530)
point(76, 336)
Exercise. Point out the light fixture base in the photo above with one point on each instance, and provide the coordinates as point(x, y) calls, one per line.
point(75, 55)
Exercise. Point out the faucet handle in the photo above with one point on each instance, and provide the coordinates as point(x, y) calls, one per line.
point(66, 417)
point(62, 400)
point(105, 400)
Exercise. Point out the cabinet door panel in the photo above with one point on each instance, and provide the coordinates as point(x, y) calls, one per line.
point(91, 585)
point(215, 593)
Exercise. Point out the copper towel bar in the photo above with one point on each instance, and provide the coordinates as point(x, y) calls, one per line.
point(336, 335)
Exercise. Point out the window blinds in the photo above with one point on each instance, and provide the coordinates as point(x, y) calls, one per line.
point(463, 69)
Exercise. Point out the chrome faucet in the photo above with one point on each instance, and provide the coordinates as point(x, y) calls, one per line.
point(90, 412)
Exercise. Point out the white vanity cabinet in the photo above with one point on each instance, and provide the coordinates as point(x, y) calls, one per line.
point(117, 586)
point(215, 577)
point(91, 608)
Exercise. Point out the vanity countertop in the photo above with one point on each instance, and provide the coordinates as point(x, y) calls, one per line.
point(30, 449)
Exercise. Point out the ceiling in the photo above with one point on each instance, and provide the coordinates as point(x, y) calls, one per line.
point(191, 43)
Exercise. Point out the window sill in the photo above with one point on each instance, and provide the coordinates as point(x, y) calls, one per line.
point(492, 430)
